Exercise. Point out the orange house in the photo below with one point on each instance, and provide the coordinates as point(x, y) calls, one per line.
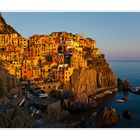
point(26, 73)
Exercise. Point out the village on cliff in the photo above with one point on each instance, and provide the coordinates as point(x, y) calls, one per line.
point(46, 60)
point(47, 77)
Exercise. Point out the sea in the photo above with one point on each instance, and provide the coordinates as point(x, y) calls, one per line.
point(129, 70)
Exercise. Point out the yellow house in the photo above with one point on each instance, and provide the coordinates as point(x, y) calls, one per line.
point(94, 44)
point(16, 63)
point(18, 73)
point(23, 42)
point(3, 56)
point(12, 55)
point(13, 35)
point(67, 73)
point(42, 73)
point(15, 41)
point(49, 65)
point(81, 42)
point(79, 49)
point(30, 62)
point(12, 70)
point(77, 60)
point(53, 65)
point(76, 44)
point(35, 72)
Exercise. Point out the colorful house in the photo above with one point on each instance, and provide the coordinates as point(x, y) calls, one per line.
point(26, 73)
point(67, 74)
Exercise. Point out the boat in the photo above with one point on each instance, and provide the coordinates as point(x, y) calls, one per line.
point(108, 92)
point(22, 102)
point(125, 98)
point(115, 89)
point(135, 89)
point(30, 96)
point(120, 101)
point(42, 94)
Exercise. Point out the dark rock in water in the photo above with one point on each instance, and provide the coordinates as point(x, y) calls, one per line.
point(124, 85)
point(127, 114)
point(120, 84)
point(106, 117)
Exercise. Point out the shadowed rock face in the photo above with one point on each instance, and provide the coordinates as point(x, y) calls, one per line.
point(106, 117)
point(9, 86)
point(10, 114)
point(6, 29)
point(88, 80)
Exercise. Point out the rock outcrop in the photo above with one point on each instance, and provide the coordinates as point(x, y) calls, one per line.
point(85, 81)
point(106, 117)
point(9, 86)
point(13, 117)
point(127, 114)
point(124, 85)
point(10, 113)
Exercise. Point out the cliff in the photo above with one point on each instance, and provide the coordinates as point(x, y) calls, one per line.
point(87, 81)
point(9, 86)
point(10, 114)
point(5, 28)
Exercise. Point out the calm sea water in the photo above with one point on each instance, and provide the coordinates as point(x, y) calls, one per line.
point(123, 70)
point(130, 71)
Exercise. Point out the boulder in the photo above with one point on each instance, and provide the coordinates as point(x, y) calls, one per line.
point(55, 112)
point(127, 114)
point(106, 117)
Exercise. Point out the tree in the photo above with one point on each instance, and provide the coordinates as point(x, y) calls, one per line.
point(49, 58)
point(60, 49)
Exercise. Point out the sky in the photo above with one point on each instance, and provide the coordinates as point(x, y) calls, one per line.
point(117, 34)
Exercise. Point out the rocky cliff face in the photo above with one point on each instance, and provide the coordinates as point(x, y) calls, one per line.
point(10, 113)
point(9, 86)
point(86, 81)
point(4, 28)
